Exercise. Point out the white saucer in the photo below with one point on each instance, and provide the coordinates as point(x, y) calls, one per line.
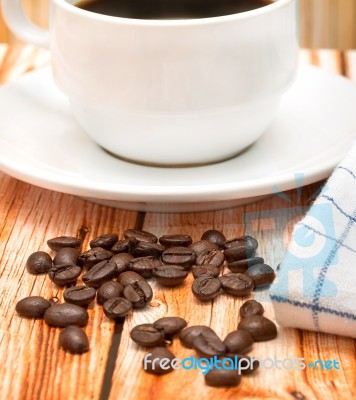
point(41, 143)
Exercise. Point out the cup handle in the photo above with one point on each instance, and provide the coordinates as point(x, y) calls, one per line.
point(24, 29)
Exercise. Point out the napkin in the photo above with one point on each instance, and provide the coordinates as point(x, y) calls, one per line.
point(315, 287)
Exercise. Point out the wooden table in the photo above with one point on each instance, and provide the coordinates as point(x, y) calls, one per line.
point(33, 367)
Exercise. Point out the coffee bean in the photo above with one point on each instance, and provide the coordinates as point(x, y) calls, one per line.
point(74, 340)
point(146, 249)
point(237, 253)
point(39, 263)
point(124, 246)
point(170, 325)
point(175, 240)
point(106, 241)
point(100, 273)
point(129, 277)
point(32, 307)
point(140, 236)
point(237, 284)
point(183, 256)
point(188, 335)
point(241, 266)
point(247, 241)
point(94, 256)
point(206, 288)
point(144, 265)
point(206, 270)
point(161, 358)
point(208, 344)
point(222, 378)
point(202, 246)
point(108, 290)
point(139, 293)
point(63, 274)
point(79, 295)
point(58, 243)
point(212, 257)
point(63, 315)
point(147, 335)
point(122, 261)
point(117, 307)
point(251, 307)
point(238, 342)
point(170, 275)
point(259, 327)
point(65, 256)
point(261, 274)
point(215, 237)
point(248, 365)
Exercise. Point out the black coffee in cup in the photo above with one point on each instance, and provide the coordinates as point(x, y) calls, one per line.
point(170, 9)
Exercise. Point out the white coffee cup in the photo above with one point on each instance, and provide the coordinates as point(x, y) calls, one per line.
point(169, 92)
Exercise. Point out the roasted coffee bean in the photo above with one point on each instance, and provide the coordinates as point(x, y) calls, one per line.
point(140, 236)
point(106, 241)
point(79, 295)
point(122, 261)
point(74, 340)
point(156, 361)
point(237, 253)
point(100, 273)
point(108, 290)
point(144, 265)
point(260, 328)
point(129, 278)
point(147, 335)
point(117, 307)
point(60, 242)
point(39, 263)
point(247, 241)
point(124, 246)
point(203, 246)
point(64, 274)
point(175, 240)
point(147, 249)
point(170, 275)
point(65, 256)
point(237, 284)
point(170, 325)
point(248, 365)
point(241, 266)
point(32, 307)
point(188, 335)
point(206, 270)
point(238, 342)
point(261, 274)
point(251, 307)
point(222, 378)
point(139, 293)
point(94, 256)
point(214, 236)
point(212, 257)
point(206, 288)
point(62, 315)
point(183, 256)
point(208, 344)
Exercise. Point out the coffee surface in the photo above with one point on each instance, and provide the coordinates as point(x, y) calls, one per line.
point(170, 9)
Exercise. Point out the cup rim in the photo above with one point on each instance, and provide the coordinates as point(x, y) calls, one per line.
point(172, 22)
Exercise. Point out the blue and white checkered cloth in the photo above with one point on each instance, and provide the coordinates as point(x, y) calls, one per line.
point(315, 287)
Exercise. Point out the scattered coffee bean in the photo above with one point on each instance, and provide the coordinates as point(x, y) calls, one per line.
point(74, 340)
point(214, 236)
point(147, 249)
point(188, 335)
point(248, 365)
point(32, 307)
point(129, 277)
point(94, 256)
point(147, 335)
point(117, 307)
point(248, 241)
point(208, 344)
point(241, 266)
point(236, 284)
point(161, 361)
point(170, 275)
point(260, 328)
point(122, 261)
point(170, 325)
point(140, 236)
point(106, 241)
point(212, 257)
point(222, 378)
point(124, 246)
point(66, 256)
point(175, 240)
point(100, 273)
point(139, 293)
point(63, 315)
point(183, 256)
point(109, 290)
point(251, 307)
point(79, 295)
point(206, 270)
point(206, 288)
point(58, 243)
point(261, 274)
point(238, 342)
point(64, 274)
point(202, 246)
point(39, 263)
point(238, 253)
point(144, 265)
